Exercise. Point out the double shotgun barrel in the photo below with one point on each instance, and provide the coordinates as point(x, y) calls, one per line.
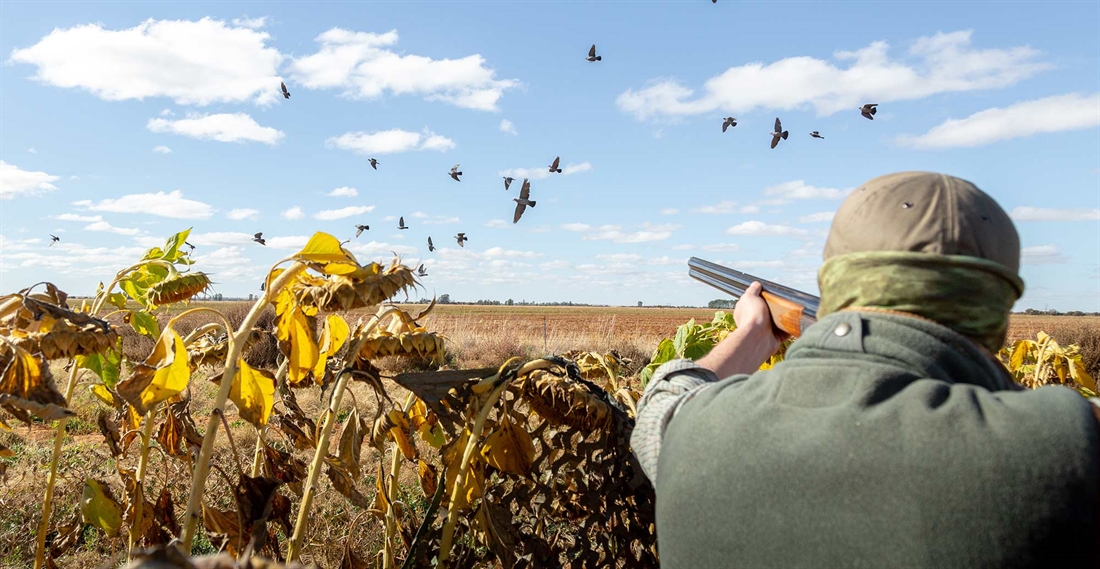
point(792, 310)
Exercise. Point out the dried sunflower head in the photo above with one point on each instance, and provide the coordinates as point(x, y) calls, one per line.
point(564, 402)
point(366, 286)
point(177, 288)
point(401, 336)
point(44, 323)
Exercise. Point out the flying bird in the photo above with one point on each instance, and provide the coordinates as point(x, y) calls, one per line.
point(286, 94)
point(259, 238)
point(592, 54)
point(455, 173)
point(815, 134)
point(360, 229)
point(522, 202)
point(430, 246)
point(421, 271)
point(508, 182)
point(554, 166)
point(373, 163)
point(730, 121)
point(54, 239)
point(401, 223)
point(779, 133)
point(868, 111)
point(263, 285)
point(461, 238)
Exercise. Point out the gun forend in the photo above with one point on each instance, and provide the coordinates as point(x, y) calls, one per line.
point(792, 310)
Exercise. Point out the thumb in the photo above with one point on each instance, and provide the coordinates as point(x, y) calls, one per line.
point(754, 289)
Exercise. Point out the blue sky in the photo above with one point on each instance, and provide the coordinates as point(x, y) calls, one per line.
point(123, 122)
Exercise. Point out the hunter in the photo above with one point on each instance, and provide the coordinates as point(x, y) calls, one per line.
point(890, 436)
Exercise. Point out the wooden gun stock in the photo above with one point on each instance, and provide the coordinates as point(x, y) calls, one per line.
point(792, 310)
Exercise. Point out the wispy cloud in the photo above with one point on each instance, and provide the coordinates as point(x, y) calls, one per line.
point(1042, 255)
point(344, 212)
point(224, 127)
point(159, 58)
point(649, 232)
point(945, 63)
point(364, 65)
point(669, 211)
point(1052, 114)
point(721, 247)
point(507, 126)
point(243, 213)
point(817, 217)
point(799, 190)
point(434, 219)
point(761, 228)
point(726, 207)
point(343, 192)
point(220, 238)
point(1027, 213)
point(171, 204)
point(108, 228)
point(496, 223)
point(162, 150)
point(576, 227)
point(15, 182)
point(32, 150)
point(544, 172)
point(253, 23)
point(76, 217)
point(293, 213)
point(390, 141)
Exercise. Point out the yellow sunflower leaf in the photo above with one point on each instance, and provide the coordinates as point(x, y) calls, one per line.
point(509, 448)
point(253, 392)
point(99, 508)
point(103, 394)
point(165, 373)
point(325, 249)
point(332, 339)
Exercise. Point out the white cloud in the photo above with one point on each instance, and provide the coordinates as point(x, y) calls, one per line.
point(817, 217)
point(576, 227)
point(364, 66)
point(373, 249)
point(669, 211)
point(497, 223)
point(162, 149)
point(619, 257)
point(1052, 114)
point(683, 247)
point(167, 113)
point(942, 63)
point(761, 228)
point(495, 252)
point(287, 242)
point(650, 232)
point(721, 247)
point(726, 207)
point(343, 192)
point(220, 238)
point(243, 213)
point(223, 127)
point(253, 23)
point(543, 172)
point(507, 126)
point(108, 228)
point(799, 190)
point(192, 63)
point(32, 150)
point(293, 213)
point(171, 204)
point(75, 217)
point(390, 141)
point(434, 219)
point(1027, 213)
point(15, 182)
point(230, 263)
point(344, 212)
point(1042, 255)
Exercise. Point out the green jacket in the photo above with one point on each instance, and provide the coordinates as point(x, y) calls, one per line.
point(881, 441)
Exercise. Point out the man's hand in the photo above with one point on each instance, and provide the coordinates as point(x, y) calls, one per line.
point(752, 343)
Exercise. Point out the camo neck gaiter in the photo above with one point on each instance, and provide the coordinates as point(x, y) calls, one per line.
point(972, 296)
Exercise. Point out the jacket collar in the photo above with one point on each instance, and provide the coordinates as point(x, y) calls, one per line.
point(921, 346)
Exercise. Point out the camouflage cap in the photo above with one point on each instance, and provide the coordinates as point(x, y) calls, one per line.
point(924, 212)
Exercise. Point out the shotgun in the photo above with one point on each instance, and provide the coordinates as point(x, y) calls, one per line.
point(792, 310)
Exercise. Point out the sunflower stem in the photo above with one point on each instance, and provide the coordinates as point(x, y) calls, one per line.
point(236, 344)
point(139, 492)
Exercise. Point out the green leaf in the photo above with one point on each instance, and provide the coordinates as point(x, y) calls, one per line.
point(698, 349)
point(107, 365)
point(99, 508)
point(171, 252)
point(118, 299)
point(681, 339)
point(134, 290)
point(145, 324)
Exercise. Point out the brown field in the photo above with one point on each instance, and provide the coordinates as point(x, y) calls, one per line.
point(476, 336)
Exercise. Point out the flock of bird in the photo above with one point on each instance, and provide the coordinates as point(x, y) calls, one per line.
point(524, 200)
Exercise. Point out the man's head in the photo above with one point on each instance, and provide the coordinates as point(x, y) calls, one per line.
point(927, 244)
